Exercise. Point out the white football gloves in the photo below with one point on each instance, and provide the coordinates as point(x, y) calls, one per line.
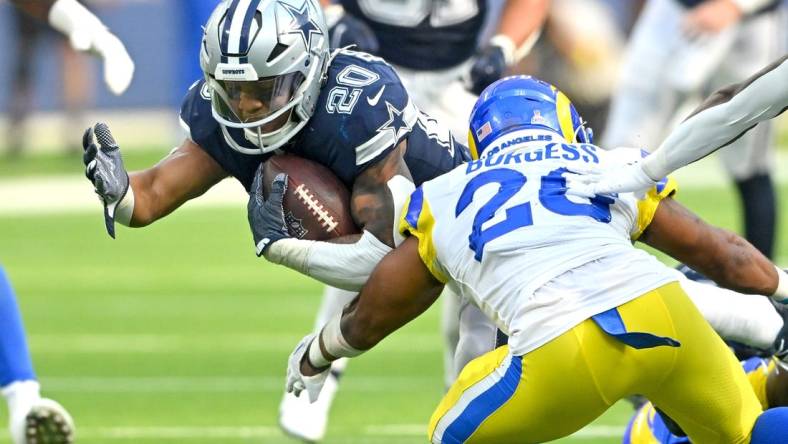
point(622, 179)
point(296, 381)
point(86, 33)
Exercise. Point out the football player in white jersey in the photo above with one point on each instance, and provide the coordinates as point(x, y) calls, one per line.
point(559, 275)
point(683, 48)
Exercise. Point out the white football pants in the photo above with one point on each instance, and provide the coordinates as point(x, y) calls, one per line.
point(662, 68)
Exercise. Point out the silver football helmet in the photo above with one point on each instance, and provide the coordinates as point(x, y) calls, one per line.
point(264, 62)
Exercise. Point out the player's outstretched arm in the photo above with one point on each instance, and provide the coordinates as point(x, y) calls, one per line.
point(726, 258)
point(721, 119)
point(345, 262)
point(186, 173)
point(140, 198)
point(399, 290)
point(86, 33)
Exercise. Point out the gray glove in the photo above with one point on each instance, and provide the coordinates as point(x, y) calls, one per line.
point(104, 167)
point(267, 217)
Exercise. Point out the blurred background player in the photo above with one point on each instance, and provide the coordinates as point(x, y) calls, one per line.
point(33, 419)
point(721, 119)
point(580, 52)
point(441, 50)
point(85, 33)
point(680, 48)
point(76, 92)
point(444, 56)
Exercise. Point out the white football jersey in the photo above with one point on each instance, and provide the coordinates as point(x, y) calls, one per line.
point(503, 233)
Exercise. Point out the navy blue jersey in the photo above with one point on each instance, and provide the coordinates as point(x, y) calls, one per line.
point(423, 34)
point(363, 113)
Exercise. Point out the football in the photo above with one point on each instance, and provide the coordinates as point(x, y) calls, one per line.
point(316, 203)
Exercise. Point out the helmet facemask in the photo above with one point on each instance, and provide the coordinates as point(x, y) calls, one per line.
point(269, 88)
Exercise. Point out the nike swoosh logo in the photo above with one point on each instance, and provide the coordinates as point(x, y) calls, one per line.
point(376, 98)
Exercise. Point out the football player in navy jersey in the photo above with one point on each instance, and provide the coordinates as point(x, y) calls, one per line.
point(680, 48)
point(271, 84)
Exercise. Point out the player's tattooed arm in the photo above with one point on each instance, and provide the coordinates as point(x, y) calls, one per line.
point(187, 172)
point(373, 209)
point(723, 256)
point(371, 203)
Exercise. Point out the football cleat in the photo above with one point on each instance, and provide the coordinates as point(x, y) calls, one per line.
point(307, 422)
point(47, 422)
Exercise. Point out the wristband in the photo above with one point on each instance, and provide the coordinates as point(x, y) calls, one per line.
point(334, 342)
point(781, 293)
point(124, 209)
point(508, 47)
point(315, 355)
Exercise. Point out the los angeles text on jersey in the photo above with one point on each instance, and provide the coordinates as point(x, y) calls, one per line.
point(552, 151)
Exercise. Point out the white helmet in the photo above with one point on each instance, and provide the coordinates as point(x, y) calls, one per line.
point(264, 62)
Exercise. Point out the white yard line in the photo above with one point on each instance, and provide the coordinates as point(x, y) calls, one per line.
point(99, 385)
point(124, 433)
point(189, 343)
point(70, 194)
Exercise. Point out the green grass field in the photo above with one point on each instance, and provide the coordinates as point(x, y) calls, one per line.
point(177, 333)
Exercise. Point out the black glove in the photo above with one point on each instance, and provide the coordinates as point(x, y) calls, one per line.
point(267, 217)
point(104, 167)
point(349, 30)
point(488, 66)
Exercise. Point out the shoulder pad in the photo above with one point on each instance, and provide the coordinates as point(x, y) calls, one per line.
point(365, 100)
point(195, 116)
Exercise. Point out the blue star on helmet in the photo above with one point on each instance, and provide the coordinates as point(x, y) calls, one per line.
point(396, 122)
point(301, 23)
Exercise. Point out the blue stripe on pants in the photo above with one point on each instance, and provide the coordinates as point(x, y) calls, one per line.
point(485, 404)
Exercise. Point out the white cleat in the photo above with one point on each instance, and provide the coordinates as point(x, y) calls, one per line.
point(307, 422)
point(47, 422)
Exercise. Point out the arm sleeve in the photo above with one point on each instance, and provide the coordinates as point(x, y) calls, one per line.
point(722, 118)
point(345, 266)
